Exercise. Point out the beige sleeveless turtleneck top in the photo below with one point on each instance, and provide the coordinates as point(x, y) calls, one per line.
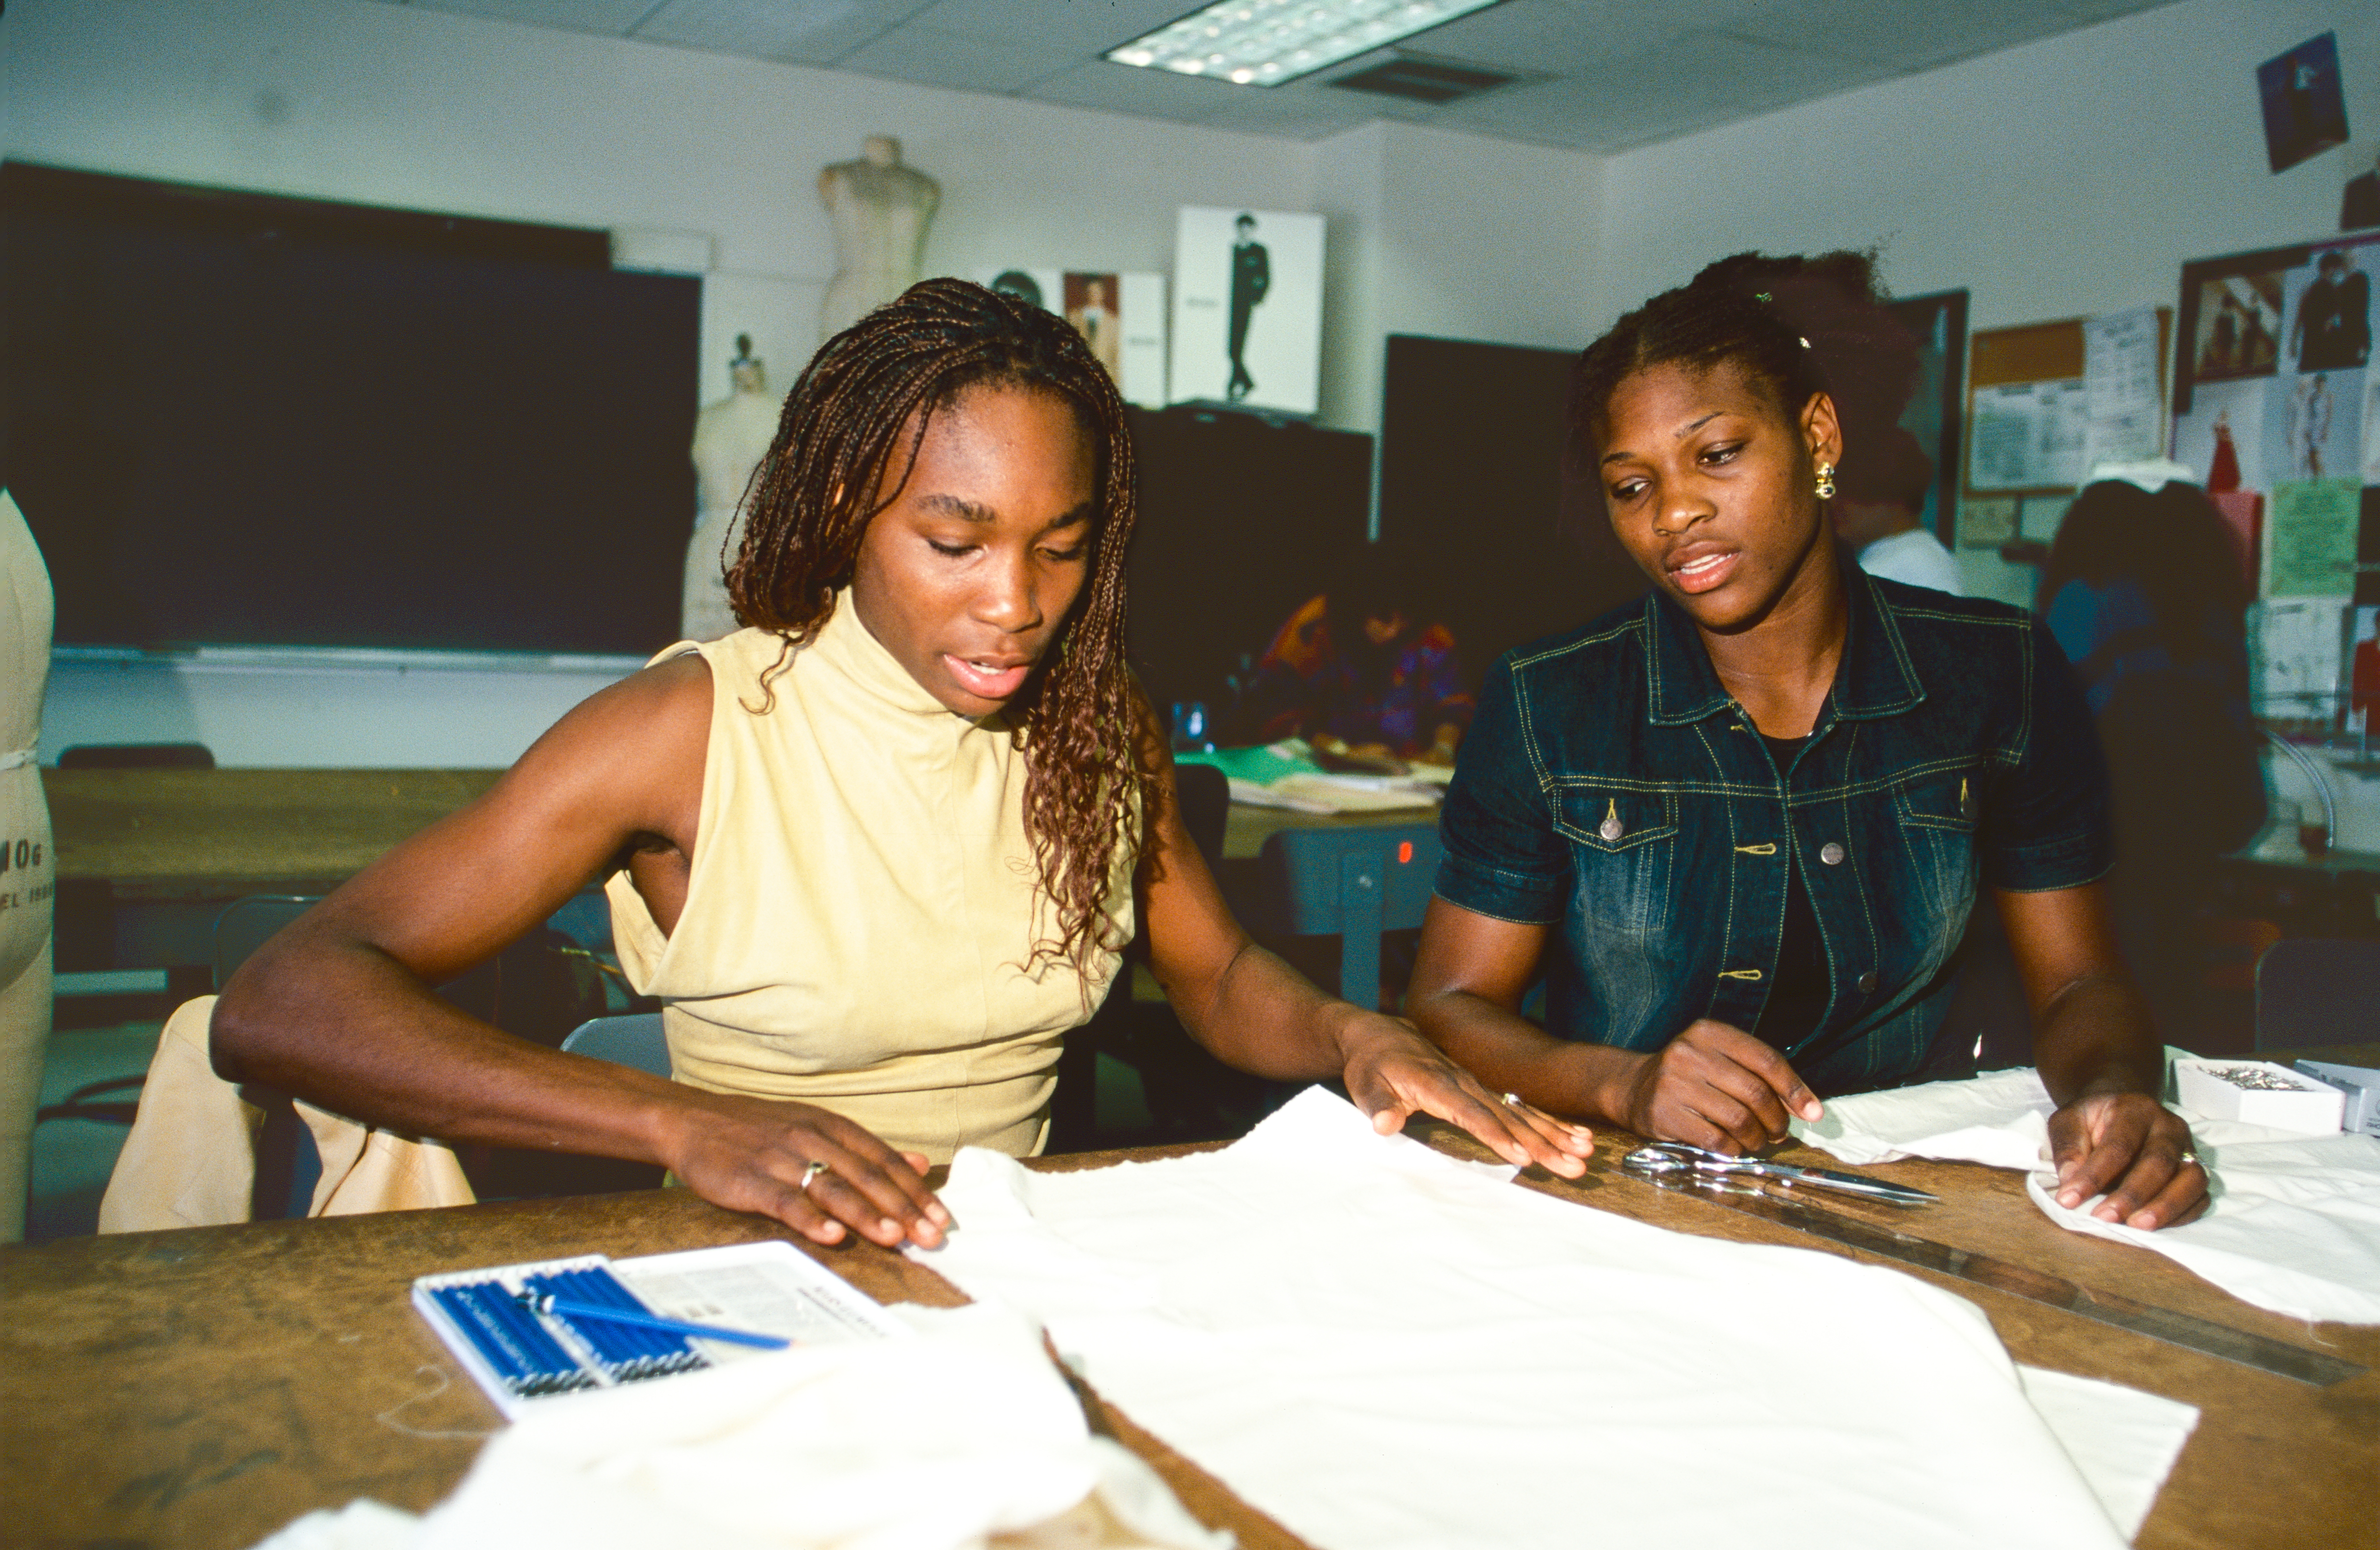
point(862, 905)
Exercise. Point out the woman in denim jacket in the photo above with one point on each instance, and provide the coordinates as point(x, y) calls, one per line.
point(1741, 824)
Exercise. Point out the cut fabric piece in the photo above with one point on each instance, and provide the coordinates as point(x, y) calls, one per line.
point(2122, 1440)
point(963, 1438)
point(2293, 1227)
point(1387, 1348)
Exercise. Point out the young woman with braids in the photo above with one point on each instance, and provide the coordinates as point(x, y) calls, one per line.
point(877, 851)
point(1741, 824)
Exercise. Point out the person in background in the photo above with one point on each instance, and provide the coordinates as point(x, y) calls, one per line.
point(1741, 824)
point(2145, 595)
point(1357, 673)
point(1878, 497)
point(29, 872)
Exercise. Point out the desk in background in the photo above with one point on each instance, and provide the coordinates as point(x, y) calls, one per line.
point(147, 859)
point(204, 1388)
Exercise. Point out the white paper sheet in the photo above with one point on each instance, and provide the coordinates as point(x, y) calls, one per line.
point(2294, 1224)
point(925, 1444)
point(1384, 1347)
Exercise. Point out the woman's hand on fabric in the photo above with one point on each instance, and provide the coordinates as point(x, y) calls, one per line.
point(1394, 1073)
point(1716, 1087)
point(765, 1157)
point(2131, 1149)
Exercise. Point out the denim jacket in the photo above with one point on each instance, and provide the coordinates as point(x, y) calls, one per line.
point(1612, 788)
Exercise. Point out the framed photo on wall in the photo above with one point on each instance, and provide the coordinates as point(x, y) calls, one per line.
point(1247, 309)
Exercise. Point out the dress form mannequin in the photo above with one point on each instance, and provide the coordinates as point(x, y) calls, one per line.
point(730, 438)
point(28, 885)
point(881, 210)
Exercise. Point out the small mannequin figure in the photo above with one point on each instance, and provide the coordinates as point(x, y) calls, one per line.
point(881, 210)
point(730, 438)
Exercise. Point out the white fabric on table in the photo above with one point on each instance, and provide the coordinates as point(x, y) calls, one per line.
point(1385, 1348)
point(929, 1443)
point(2293, 1224)
point(2122, 1440)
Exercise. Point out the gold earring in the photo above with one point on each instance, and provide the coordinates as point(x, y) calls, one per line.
point(1826, 481)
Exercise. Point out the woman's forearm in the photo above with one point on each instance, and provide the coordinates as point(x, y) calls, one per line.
point(2095, 1036)
point(1510, 1054)
point(346, 1027)
point(1264, 1017)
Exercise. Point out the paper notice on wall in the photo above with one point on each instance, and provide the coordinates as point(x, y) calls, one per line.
point(2296, 646)
point(2030, 436)
point(2310, 538)
point(2123, 398)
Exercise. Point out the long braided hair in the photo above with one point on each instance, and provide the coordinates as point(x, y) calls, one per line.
point(1799, 326)
point(878, 384)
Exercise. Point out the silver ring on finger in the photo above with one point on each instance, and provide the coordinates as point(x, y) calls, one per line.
point(1512, 1100)
point(2189, 1159)
point(810, 1173)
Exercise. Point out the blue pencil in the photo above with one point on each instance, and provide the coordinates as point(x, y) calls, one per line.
point(573, 1309)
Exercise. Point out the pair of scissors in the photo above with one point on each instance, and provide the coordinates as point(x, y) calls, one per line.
point(1670, 1159)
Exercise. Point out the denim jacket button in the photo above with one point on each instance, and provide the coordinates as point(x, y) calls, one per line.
point(1613, 829)
point(1831, 853)
point(1867, 982)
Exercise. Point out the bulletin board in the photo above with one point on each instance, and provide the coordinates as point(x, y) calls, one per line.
point(2029, 407)
point(2276, 414)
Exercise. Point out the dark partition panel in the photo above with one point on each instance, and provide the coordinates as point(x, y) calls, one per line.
point(241, 419)
point(1471, 439)
point(1240, 522)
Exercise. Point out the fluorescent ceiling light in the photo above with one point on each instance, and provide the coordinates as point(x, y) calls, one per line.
point(1268, 43)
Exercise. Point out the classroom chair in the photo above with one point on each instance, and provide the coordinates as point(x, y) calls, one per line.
point(632, 1040)
point(2312, 992)
point(1353, 883)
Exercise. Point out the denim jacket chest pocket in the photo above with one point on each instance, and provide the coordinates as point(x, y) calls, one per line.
point(1623, 851)
point(1937, 808)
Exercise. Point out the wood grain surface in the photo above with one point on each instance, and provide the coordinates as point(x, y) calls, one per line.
point(157, 830)
point(204, 1388)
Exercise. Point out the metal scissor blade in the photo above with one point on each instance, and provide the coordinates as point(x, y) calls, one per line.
point(1672, 1156)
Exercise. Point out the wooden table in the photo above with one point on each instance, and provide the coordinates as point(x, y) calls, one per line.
point(204, 1388)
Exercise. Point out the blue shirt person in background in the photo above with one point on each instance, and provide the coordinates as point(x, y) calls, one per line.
point(1741, 824)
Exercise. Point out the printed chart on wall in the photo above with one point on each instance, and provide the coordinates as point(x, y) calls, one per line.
point(2276, 413)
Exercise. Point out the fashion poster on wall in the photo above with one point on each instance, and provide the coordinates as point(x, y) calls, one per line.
point(1247, 309)
point(2316, 432)
point(1120, 315)
point(2305, 110)
point(2238, 332)
point(2221, 440)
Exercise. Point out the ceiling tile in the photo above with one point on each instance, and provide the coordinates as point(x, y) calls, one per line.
point(1881, 33)
point(1090, 28)
point(613, 16)
point(922, 54)
point(1687, 83)
point(795, 31)
point(1114, 87)
point(1550, 36)
point(1301, 111)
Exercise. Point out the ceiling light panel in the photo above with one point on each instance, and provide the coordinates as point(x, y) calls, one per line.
point(1267, 42)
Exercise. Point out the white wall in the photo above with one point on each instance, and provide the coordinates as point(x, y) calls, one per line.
point(2063, 178)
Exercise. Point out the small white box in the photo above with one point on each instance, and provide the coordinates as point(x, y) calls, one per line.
point(2259, 1093)
point(2362, 1085)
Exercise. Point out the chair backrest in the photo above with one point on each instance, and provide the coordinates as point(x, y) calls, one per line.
point(137, 756)
point(2312, 991)
point(1354, 883)
point(246, 924)
point(633, 1040)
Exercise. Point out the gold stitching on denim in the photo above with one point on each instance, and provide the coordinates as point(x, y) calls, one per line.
point(1769, 850)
